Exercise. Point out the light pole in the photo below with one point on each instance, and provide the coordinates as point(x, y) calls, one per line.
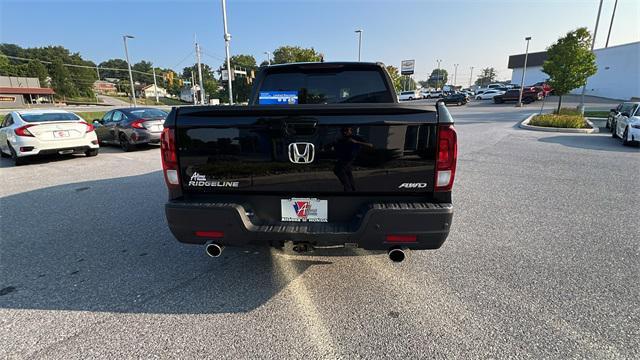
point(593, 43)
point(471, 78)
point(438, 77)
point(268, 57)
point(524, 70)
point(155, 84)
point(126, 52)
point(227, 40)
point(359, 32)
point(455, 74)
point(615, 5)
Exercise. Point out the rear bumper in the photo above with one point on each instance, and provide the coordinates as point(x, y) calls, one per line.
point(429, 222)
point(30, 146)
point(145, 137)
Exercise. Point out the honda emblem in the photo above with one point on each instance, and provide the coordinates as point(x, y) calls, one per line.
point(301, 153)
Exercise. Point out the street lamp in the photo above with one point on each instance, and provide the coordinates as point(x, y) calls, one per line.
point(268, 57)
point(471, 78)
point(524, 70)
point(593, 43)
point(126, 52)
point(438, 77)
point(455, 74)
point(359, 32)
point(227, 40)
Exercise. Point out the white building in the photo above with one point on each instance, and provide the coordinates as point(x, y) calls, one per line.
point(618, 75)
point(150, 91)
point(187, 92)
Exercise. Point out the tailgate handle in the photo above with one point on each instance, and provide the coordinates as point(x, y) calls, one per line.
point(301, 127)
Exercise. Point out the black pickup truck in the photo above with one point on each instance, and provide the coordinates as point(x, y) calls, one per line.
point(323, 156)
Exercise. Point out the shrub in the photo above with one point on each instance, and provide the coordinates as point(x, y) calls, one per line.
point(568, 111)
point(559, 121)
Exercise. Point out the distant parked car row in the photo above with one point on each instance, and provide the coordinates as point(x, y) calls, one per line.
point(29, 133)
point(624, 122)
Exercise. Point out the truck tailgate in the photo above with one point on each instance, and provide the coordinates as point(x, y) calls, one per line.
point(306, 149)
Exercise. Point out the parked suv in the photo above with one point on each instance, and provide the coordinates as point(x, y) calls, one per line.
point(529, 95)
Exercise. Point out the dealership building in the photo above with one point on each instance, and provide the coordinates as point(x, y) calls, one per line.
point(23, 91)
point(618, 75)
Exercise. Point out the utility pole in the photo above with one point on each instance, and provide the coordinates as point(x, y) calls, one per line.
point(438, 78)
point(524, 70)
point(455, 74)
point(471, 78)
point(268, 57)
point(359, 32)
point(615, 5)
point(98, 71)
point(126, 52)
point(155, 85)
point(593, 43)
point(193, 88)
point(200, 72)
point(227, 40)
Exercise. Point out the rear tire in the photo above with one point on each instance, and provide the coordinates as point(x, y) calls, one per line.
point(4, 155)
point(125, 145)
point(91, 153)
point(613, 131)
point(18, 161)
point(625, 135)
point(459, 103)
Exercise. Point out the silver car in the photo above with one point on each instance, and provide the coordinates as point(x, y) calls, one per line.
point(129, 127)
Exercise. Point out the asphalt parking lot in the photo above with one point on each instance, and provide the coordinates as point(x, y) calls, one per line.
point(542, 262)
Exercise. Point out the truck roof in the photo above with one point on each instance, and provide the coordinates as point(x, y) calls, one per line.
point(327, 64)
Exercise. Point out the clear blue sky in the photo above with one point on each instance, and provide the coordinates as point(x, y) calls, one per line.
point(477, 33)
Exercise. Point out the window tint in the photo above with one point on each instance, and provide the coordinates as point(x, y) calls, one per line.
point(107, 116)
point(327, 86)
point(39, 117)
point(147, 113)
point(117, 116)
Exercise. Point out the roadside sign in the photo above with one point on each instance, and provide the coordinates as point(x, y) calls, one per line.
point(407, 67)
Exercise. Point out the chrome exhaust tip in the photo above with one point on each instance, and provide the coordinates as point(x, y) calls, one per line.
point(396, 255)
point(213, 250)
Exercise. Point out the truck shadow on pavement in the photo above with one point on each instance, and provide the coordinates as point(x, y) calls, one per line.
point(591, 142)
point(104, 246)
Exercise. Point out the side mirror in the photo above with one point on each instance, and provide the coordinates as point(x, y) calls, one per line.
point(97, 122)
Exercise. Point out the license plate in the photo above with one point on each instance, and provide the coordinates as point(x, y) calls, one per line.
point(304, 210)
point(60, 134)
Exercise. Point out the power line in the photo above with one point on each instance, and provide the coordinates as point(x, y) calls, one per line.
point(79, 66)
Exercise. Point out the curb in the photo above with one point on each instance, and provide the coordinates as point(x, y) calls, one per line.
point(524, 124)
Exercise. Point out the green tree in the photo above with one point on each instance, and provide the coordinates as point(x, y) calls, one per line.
point(438, 78)
point(146, 68)
point(37, 70)
point(114, 64)
point(570, 62)
point(396, 79)
point(487, 76)
point(290, 54)
point(61, 80)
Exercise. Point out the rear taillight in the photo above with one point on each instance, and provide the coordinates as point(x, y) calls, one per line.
point(23, 131)
point(447, 158)
point(90, 127)
point(138, 124)
point(169, 157)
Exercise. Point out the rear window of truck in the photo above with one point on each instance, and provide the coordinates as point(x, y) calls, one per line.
point(327, 86)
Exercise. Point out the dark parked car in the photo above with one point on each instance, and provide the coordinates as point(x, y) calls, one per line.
point(130, 127)
point(458, 99)
point(529, 95)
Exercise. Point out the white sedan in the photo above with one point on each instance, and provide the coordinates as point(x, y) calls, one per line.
point(489, 94)
point(627, 125)
point(40, 132)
